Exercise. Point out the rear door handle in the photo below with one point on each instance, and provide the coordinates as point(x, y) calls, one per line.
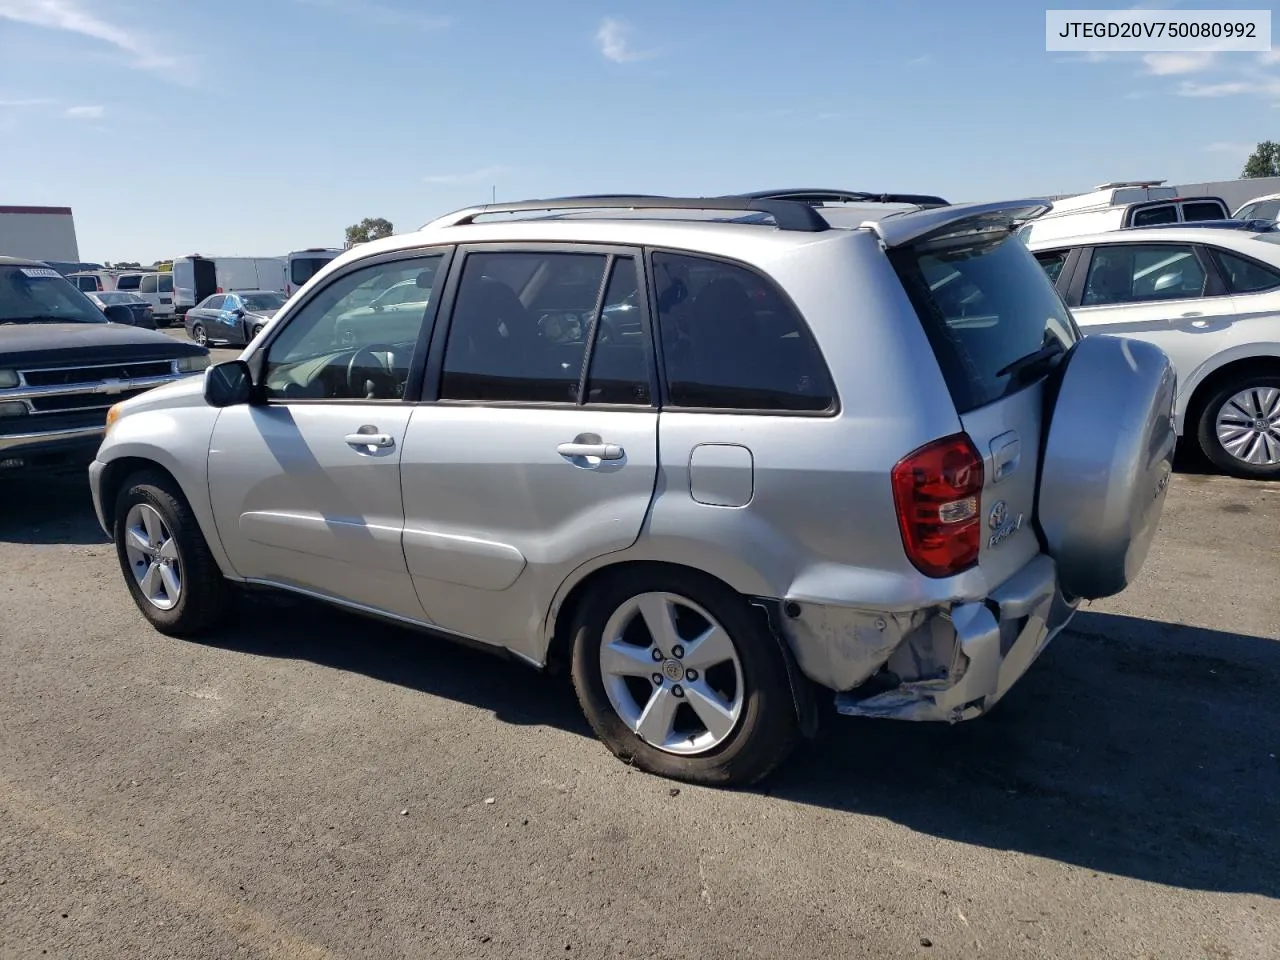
point(371, 440)
point(601, 451)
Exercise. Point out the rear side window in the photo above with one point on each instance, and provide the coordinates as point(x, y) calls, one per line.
point(1052, 261)
point(128, 283)
point(984, 303)
point(166, 283)
point(1203, 210)
point(1146, 216)
point(732, 341)
point(1245, 276)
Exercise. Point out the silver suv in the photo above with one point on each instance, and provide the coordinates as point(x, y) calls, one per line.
point(720, 457)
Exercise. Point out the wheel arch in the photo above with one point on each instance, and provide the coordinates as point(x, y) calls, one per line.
point(558, 627)
point(1226, 366)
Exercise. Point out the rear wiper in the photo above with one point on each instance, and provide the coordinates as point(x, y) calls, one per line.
point(1035, 361)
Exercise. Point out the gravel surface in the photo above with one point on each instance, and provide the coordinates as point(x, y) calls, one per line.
point(314, 785)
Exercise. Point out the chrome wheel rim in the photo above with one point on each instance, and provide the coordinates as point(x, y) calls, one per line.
point(672, 673)
point(1248, 426)
point(153, 556)
point(202, 338)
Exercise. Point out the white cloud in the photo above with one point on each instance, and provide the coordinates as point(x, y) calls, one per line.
point(27, 102)
point(383, 15)
point(471, 176)
point(1229, 88)
point(69, 16)
point(614, 37)
point(920, 61)
point(1167, 64)
point(85, 113)
point(1270, 56)
point(1224, 146)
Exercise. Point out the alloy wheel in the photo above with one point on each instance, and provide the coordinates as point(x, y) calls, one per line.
point(153, 556)
point(1248, 426)
point(672, 673)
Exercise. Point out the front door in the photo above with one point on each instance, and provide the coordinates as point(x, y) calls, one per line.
point(305, 484)
point(1164, 293)
point(540, 453)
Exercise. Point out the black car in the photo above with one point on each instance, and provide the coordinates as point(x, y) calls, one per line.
point(232, 318)
point(143, 312)
point(64, 362)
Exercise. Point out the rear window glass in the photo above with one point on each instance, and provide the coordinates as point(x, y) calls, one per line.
point(984, 304)
point(304, 268)
point(166, 283)
point(1165, 213)
point(128, 283)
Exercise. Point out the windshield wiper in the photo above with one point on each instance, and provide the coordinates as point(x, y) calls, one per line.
point(44, 318)
point(1036, 361)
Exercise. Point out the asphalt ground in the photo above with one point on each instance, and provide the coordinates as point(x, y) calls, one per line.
point(309, 784)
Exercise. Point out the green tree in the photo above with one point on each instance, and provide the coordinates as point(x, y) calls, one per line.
point(1264, 161)
point(370, 228)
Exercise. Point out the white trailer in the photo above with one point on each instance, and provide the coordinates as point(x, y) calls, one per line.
point(40, 233)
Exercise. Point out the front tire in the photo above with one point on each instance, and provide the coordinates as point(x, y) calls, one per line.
point(171, 574)
point(1239, 427)
point(676, 674)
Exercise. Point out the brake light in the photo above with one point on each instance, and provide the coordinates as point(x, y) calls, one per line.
point(936, 491)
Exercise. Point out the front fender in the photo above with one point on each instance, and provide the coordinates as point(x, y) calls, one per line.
point(1269, 350)
point(176, 439)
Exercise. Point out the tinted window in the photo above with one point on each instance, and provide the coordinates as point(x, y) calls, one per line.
point(984, 303)
point(212, 303)
point(1203, 210)
point(1264, 210)
point(148, 284)
point(263, 301)
point(525, 342)
point(1135, 272)
point(336, 347)
point(304, 268)
point(619, 368)
point(166, 283)
point(1146, 216)
point(87, 284)
point(128, 283)
point(1245, 276)
point(730, 340)
point(1052, 261)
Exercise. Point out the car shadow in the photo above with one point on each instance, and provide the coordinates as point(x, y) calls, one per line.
point(1132, 747)
point(48, 510)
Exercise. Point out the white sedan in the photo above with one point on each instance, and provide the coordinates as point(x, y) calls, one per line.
point(1210, 298)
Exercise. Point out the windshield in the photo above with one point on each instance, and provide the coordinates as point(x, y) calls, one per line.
point(42, 295)
point(262, 301)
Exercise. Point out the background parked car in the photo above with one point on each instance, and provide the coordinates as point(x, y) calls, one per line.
point(232, 318)
point(196, 277)
point(1113, 206)
point(143, 315)
point(155, 288)
point(91, 281)
point(1210, 298)
point(1260, 208)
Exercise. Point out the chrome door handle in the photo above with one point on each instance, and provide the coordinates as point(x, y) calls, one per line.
point(601, 451)
point(371, 440)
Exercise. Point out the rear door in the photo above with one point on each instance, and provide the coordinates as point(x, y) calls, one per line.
point(164, 283)
point(987, 306)
point(538, 452)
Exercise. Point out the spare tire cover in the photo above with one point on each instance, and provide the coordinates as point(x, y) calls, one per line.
point(1108, 457)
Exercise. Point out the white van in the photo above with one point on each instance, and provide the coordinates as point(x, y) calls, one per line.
point(93, 281)
point(304, 264)
point(1124, 203)
point(196, 277)
point(155, 288)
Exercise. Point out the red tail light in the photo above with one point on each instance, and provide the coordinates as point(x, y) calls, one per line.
point(936, 490)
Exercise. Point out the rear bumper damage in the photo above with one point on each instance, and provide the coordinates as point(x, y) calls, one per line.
point(945, 664)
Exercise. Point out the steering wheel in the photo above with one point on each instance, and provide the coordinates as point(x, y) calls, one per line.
point(361, 375)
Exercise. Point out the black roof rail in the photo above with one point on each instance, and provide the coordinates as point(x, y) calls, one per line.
point(786, 214)
point(819, 195)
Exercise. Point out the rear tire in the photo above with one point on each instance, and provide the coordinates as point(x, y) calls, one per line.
point(1230, 427)
point(756, 728)
point(199, 336)
point(167, 566)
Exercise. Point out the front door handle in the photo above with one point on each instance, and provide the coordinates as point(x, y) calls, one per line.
point(601, 451)
point(371, 440)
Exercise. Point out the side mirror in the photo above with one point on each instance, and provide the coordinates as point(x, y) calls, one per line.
point(228, 384)
point(118, 313)
point(238, 311)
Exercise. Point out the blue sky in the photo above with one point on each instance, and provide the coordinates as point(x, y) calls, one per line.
point(259, 126)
